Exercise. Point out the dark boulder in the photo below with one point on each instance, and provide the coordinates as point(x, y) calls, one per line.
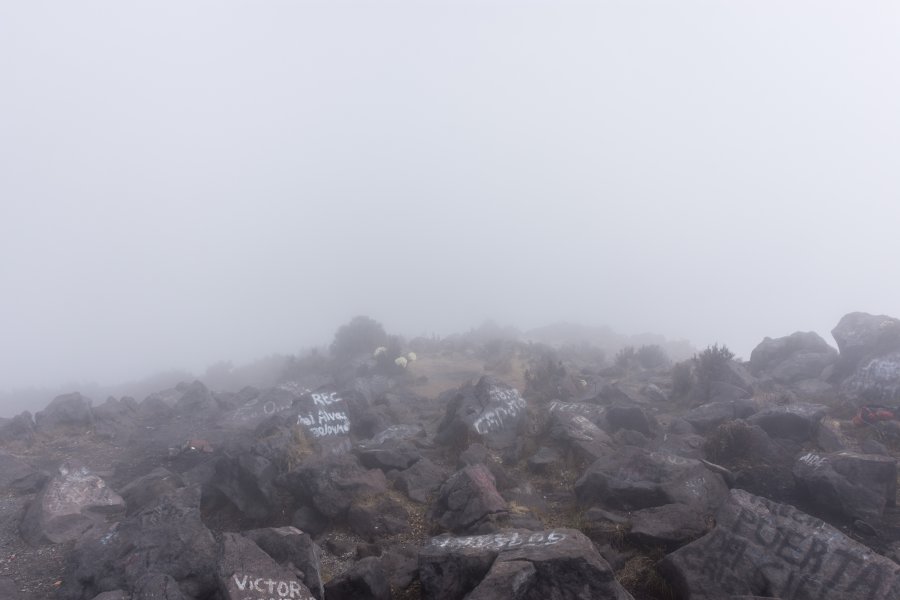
point(798, 422)
point(293, 549)
point(628, 417)
point(390, 455)
point(799, 356)
point(311, 521)
point(581, 439)
point(708, 416)
point(490, 411)
point(72, 504)
point(19, 477)
point(332, 484)
point(248, 481)
point(875, 381)
point(168, 538)
point(245, 571)
point(669, 526)
point(146, 490)
point(853, 485)
point(18, 430)
point(115, 419)
point(195, 398)
point(762, 548)
point(69, 414)
point(560, 563)
point(467, 498)
point(365, 580)
point(421, 481)
point(861, 336)
point(634, 478)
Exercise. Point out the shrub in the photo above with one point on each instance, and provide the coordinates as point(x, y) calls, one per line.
point(652, 357)
point(360, 336)
point(712, 364)
point(682, 378)
point(625, 357)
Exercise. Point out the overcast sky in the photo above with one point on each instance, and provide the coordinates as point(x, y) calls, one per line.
point(182, 182)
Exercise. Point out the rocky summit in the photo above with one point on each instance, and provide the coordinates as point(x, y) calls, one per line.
point(476, 467)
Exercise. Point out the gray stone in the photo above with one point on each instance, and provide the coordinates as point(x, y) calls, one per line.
point(73, 503)
point(561, 563)
point(762, 548)
point(245, 571)
point(635, 478)
point(468, 497)
point(855, 485)
point(797, 422)
point(490, 411)
point(799, 356)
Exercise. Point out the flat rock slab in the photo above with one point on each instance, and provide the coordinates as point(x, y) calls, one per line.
point(763, 548)
point(522, 564)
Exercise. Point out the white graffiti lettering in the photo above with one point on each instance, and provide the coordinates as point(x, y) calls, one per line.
point(499, 541)
point(495, 419)
point(326, 399)
point(813, 460)
point(283, 589)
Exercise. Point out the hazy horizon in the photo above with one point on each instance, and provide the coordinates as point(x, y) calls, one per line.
point(183, 183)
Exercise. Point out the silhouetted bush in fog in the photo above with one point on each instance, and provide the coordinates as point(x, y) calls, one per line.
point(362, 335)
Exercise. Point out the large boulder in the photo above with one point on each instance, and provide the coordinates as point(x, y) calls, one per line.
point(167, 538)
point(245, 571)
point(421, 481)
point(668, 526)
point(332, 484)
point(799, 356)
point(327, 417)
point(712, 414)
point(762, 548)
point(573, 426)
point(115, 419)
point(254, 406)
point(490, 411)
point(861, 336)
point(73, 503)
point(195, 398)
point(248, 481)
point(146, 490)
point(858, 486)
point(18, 430)
point(634, 478)
point(69, 414)
point(875, 381)
point(467, 498)
point(516, 564)
point(292, 548)
point(798, 422)
point(365, 580)
point(19, 477)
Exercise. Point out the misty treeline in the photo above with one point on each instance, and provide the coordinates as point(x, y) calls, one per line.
point(495, 344)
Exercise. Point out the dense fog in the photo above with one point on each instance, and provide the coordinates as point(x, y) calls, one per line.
point(188, 183)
